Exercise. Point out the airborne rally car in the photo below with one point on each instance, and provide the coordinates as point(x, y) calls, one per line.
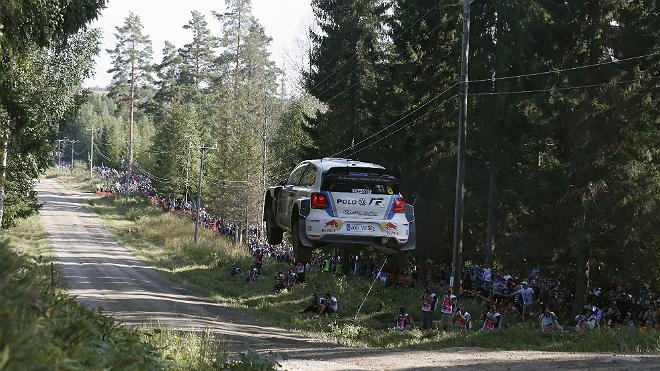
point(341, 203)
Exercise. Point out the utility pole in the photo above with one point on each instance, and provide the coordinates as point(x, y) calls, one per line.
point(91, 151)
point(263, 165)
point(460, 163)
point(72, 143)
point(188, 166)
point(247, 195)
point(202, 151)
point(59, 152)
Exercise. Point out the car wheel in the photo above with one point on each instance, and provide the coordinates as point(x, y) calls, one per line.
point(273, 232)
point(303, 254)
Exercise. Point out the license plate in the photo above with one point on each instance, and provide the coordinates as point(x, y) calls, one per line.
point(360, 228)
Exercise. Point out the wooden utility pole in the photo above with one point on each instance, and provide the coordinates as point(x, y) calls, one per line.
point(131, 114)
point(202, 151)
point(263, 165)
point(457, 259)
point(188, 166)
point(72, 143)
point(91, 151)
point(59, 152)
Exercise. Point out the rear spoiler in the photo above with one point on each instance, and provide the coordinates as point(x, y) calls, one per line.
point(369, 171)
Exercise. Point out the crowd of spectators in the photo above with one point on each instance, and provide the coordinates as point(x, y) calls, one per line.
point(506, 296)
point(510, 297)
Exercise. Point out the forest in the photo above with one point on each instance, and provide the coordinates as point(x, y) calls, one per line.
point(563, 131)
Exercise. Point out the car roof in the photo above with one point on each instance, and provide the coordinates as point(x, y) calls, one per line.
point(329, 162)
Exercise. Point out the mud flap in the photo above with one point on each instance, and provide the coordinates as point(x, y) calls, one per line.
point(303, 212)
point(412, 230)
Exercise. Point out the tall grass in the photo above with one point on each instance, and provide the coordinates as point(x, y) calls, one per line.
point(43, 328)
point(203, 351)
point(166, 241)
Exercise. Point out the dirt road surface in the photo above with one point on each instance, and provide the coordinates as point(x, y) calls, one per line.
point(101, 273)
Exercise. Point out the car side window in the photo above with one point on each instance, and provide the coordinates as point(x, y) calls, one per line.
point(309, 178)
point(294, 178)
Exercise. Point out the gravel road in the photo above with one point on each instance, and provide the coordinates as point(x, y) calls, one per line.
point(101, 273)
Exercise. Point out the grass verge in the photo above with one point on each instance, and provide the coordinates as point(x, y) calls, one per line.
point(77, 179)
point(42, 327)
point(165, 241)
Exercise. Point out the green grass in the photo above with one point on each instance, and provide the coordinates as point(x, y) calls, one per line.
point(166, 241)
point(42, 327)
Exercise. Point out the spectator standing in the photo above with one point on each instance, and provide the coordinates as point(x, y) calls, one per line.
point(300, 271)
point(527, 294)
point(447, 309)
point(428, 304)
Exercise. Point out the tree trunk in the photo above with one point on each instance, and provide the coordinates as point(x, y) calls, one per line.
point(3, 175)
point(490, 221)
point(581, 281)
point(581, 259)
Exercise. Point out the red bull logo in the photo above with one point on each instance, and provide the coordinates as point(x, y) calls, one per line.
point(331, 224)
point(389, 226)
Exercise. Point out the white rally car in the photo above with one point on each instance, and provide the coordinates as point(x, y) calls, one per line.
point(335, 202)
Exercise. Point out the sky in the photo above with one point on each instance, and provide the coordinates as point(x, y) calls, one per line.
point(163, 20)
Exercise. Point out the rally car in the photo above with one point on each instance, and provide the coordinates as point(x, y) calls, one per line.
point(339, 203)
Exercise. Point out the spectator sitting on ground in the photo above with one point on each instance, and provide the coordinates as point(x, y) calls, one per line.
point(492, 319)
point(548, 321)
point(280, 282)
point(586, 319)
point(314, 305)
point(253, 275)
point(329, 305)
point(462, 319)
point(291, 278)
point(403, 320)
point(649, 317)
point(236, 271)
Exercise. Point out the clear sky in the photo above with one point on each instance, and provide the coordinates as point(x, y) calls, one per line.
point(163, 20)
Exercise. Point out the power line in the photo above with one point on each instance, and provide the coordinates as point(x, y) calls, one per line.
point(611, 83)
point(397, 121)
point(408, 125)
point(569, 69)
point(377, 69)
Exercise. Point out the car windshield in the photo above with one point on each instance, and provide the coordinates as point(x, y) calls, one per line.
point(360, 180)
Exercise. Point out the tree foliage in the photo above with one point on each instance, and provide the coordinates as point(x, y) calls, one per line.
point(566, 178)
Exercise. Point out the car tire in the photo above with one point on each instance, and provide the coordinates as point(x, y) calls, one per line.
point(274, 233)
point(303, 254)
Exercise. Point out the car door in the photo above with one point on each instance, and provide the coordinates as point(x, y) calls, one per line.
point(288, 195)
point(307, 182)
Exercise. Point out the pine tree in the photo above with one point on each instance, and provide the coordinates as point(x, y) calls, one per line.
point(131, 69)
point(346, 52)
point(199, 55)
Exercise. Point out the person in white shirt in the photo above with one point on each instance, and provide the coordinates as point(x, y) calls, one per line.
point(329, 305)
point(527, 294)
point(548, 321)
